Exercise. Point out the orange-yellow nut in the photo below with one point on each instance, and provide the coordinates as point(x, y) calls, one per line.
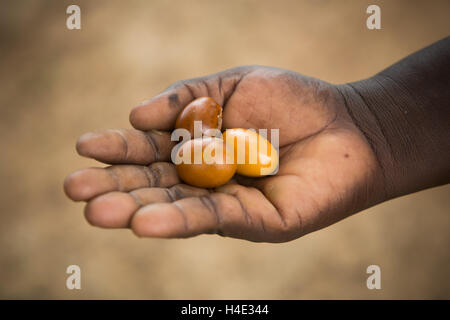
point(255, 156)
point(204, 109)
point(215, 165)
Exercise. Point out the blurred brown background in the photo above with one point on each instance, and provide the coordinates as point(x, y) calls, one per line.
point(56, 84)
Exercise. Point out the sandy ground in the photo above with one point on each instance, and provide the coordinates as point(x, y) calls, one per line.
point(56, 84)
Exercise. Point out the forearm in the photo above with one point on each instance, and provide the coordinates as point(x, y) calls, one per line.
point(404, 112)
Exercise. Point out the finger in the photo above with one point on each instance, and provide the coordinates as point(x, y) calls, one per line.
point(234, 211)
point(126, 146)
point(161, 111)
point(88, 183)
point(115, 209)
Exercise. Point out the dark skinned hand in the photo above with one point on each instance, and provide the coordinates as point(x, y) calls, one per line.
point(327, 171)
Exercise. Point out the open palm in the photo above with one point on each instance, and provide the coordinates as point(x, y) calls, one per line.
point(327, 169)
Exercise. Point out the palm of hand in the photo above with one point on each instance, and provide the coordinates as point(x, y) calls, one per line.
point(327, 169)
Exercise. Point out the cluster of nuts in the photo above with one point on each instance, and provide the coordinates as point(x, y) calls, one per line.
point(240, 151)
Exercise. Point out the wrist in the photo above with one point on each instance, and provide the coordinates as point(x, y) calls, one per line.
point(402, 137)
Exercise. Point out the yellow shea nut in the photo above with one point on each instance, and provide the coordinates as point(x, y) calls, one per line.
point(255, 155)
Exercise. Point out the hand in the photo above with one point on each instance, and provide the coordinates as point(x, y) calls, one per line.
point(327, 168)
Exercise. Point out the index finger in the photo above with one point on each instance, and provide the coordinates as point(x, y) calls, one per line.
point(160, 112)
